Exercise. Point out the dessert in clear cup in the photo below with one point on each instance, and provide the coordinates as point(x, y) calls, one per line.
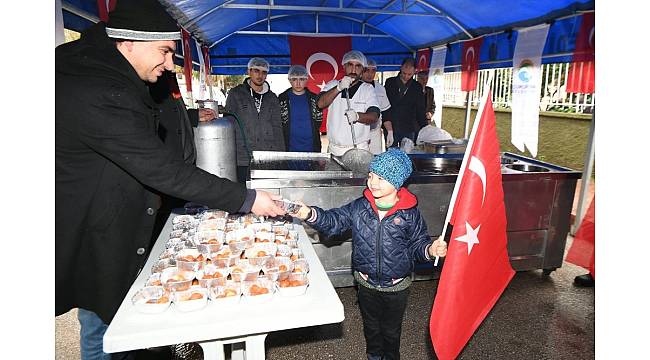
point(154, 280)
point(296, 254)
point(294, 285)
point(300, 266)
point(258, 290)
point(175, 279)
point(244, 271)
point(225, 257)
point(213, 224)
point(214, 214)
point(259, 253)
point(230, 292)
point(240, 239)
point(151, 300)
point(263, 237)
point(190, 259)
point(283, 250)
point(192, 299)
point(261, 227)
point(212, 276)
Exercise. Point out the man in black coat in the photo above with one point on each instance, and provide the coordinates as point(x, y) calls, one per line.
point(406, 114)
point(108, 160)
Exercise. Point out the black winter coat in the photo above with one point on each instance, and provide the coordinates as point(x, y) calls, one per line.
point(108, 158)
point(406, 111)
point(384, 250)
point(316, 116)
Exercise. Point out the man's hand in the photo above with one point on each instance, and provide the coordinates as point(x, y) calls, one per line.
point(345, 83)
point(389, 138)
point(206, 114)
point(352, 116)
point(265, 205)
point(438, 248)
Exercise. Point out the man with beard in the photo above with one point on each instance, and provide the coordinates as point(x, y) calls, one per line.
point(364, 109)
point(109, 159)
point(406, 114)
point(258, 111)
point(376, 146)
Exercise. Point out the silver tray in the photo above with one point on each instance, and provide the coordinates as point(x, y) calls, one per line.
point(297, 165)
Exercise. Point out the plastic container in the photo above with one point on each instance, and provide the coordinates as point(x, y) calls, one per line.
point(295, 285)
point(174, 279)
point(214, 214)
point(212, 276)
point(225, 257)
point(162, 264)
point(244, 271)
point(230, 293)
point(260, 290)
point(190, 260)
point(283, 250)
point(193, 299)
point(264, 237)
point(151, 300)
point(300, 266)
point(296, 254)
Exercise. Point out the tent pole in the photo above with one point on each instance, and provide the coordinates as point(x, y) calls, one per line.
point(58, 24)
point(468, 111)
point(586, 175)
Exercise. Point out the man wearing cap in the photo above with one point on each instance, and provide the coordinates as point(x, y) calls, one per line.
point(301, 116)
point(362, 110)
point(258, 110)
point(376, 144)
point(406, 115)
point(109, 158)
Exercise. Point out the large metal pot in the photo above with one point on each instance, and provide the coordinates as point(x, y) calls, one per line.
point(216, 151)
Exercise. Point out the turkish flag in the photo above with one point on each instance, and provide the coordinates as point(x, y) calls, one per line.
point(423, 56)
point(187, 59)
point(469, 66)
point(104, 7)
point(582, 75)
point(477, 268)
point(322, 57)
point(583, 249)
point(206, 61)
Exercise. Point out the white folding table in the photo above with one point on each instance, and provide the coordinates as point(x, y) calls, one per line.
point(219, 324)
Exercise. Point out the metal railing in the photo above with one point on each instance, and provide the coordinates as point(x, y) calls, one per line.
point(553, 94)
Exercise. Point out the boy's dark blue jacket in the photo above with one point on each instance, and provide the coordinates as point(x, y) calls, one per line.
point(384, 250)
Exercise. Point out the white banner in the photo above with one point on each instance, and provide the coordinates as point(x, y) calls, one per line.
point(526, 83)
point(437, 80)
point(202, 87)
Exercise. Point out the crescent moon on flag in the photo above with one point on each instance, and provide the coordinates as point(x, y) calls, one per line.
point(469, 50)
point(476, 166)
point(422, 61)
point(591, 37)
point(324, 57)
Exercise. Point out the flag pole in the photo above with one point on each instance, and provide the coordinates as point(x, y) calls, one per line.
point(463, 166)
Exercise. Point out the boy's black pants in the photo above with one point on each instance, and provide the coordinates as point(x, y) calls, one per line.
point(382, 314)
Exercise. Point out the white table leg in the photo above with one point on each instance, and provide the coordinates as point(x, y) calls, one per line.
point(213, 350)
point(255, 347)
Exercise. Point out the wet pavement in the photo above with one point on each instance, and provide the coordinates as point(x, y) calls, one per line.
point(537, 317)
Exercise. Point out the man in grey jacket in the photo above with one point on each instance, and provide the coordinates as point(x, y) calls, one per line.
point(258, 111)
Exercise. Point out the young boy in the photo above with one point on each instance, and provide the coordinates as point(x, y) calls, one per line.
point(388, 235)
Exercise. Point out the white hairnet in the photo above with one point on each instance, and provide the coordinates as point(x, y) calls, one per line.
point(371, 64)
point(355, 56)
point(259, 64)
point(297, 71)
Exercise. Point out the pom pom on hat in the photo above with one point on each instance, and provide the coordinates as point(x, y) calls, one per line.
point(393, 166)
point(145, 20)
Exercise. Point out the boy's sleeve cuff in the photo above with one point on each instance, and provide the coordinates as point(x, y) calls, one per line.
point(312, 217)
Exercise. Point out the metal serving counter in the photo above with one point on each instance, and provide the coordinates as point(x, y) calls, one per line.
point(538, 199)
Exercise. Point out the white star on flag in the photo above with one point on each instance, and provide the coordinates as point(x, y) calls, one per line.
point(321, 86)
point(471, 237)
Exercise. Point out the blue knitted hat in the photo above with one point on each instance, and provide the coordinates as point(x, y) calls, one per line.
point(393, 165)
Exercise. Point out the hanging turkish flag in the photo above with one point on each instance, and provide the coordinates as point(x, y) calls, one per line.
point(104, 7)
point(583, 249)
point(469, 65)
point(322, 57)
point(477, 268)
point(187, 59)
point(206, 61)
point(422, 58)
point(582, 75)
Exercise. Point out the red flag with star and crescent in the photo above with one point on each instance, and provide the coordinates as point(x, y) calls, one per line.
point(477, 268)
point(423, 56)
point(187, 60)
point(322, 57)
point(469, 65)
point(582, 75)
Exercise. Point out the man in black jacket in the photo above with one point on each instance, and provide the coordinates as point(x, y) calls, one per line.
point(108, 160)
point(406, 115)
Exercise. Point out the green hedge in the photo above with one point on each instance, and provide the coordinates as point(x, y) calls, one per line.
point(562, 137)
